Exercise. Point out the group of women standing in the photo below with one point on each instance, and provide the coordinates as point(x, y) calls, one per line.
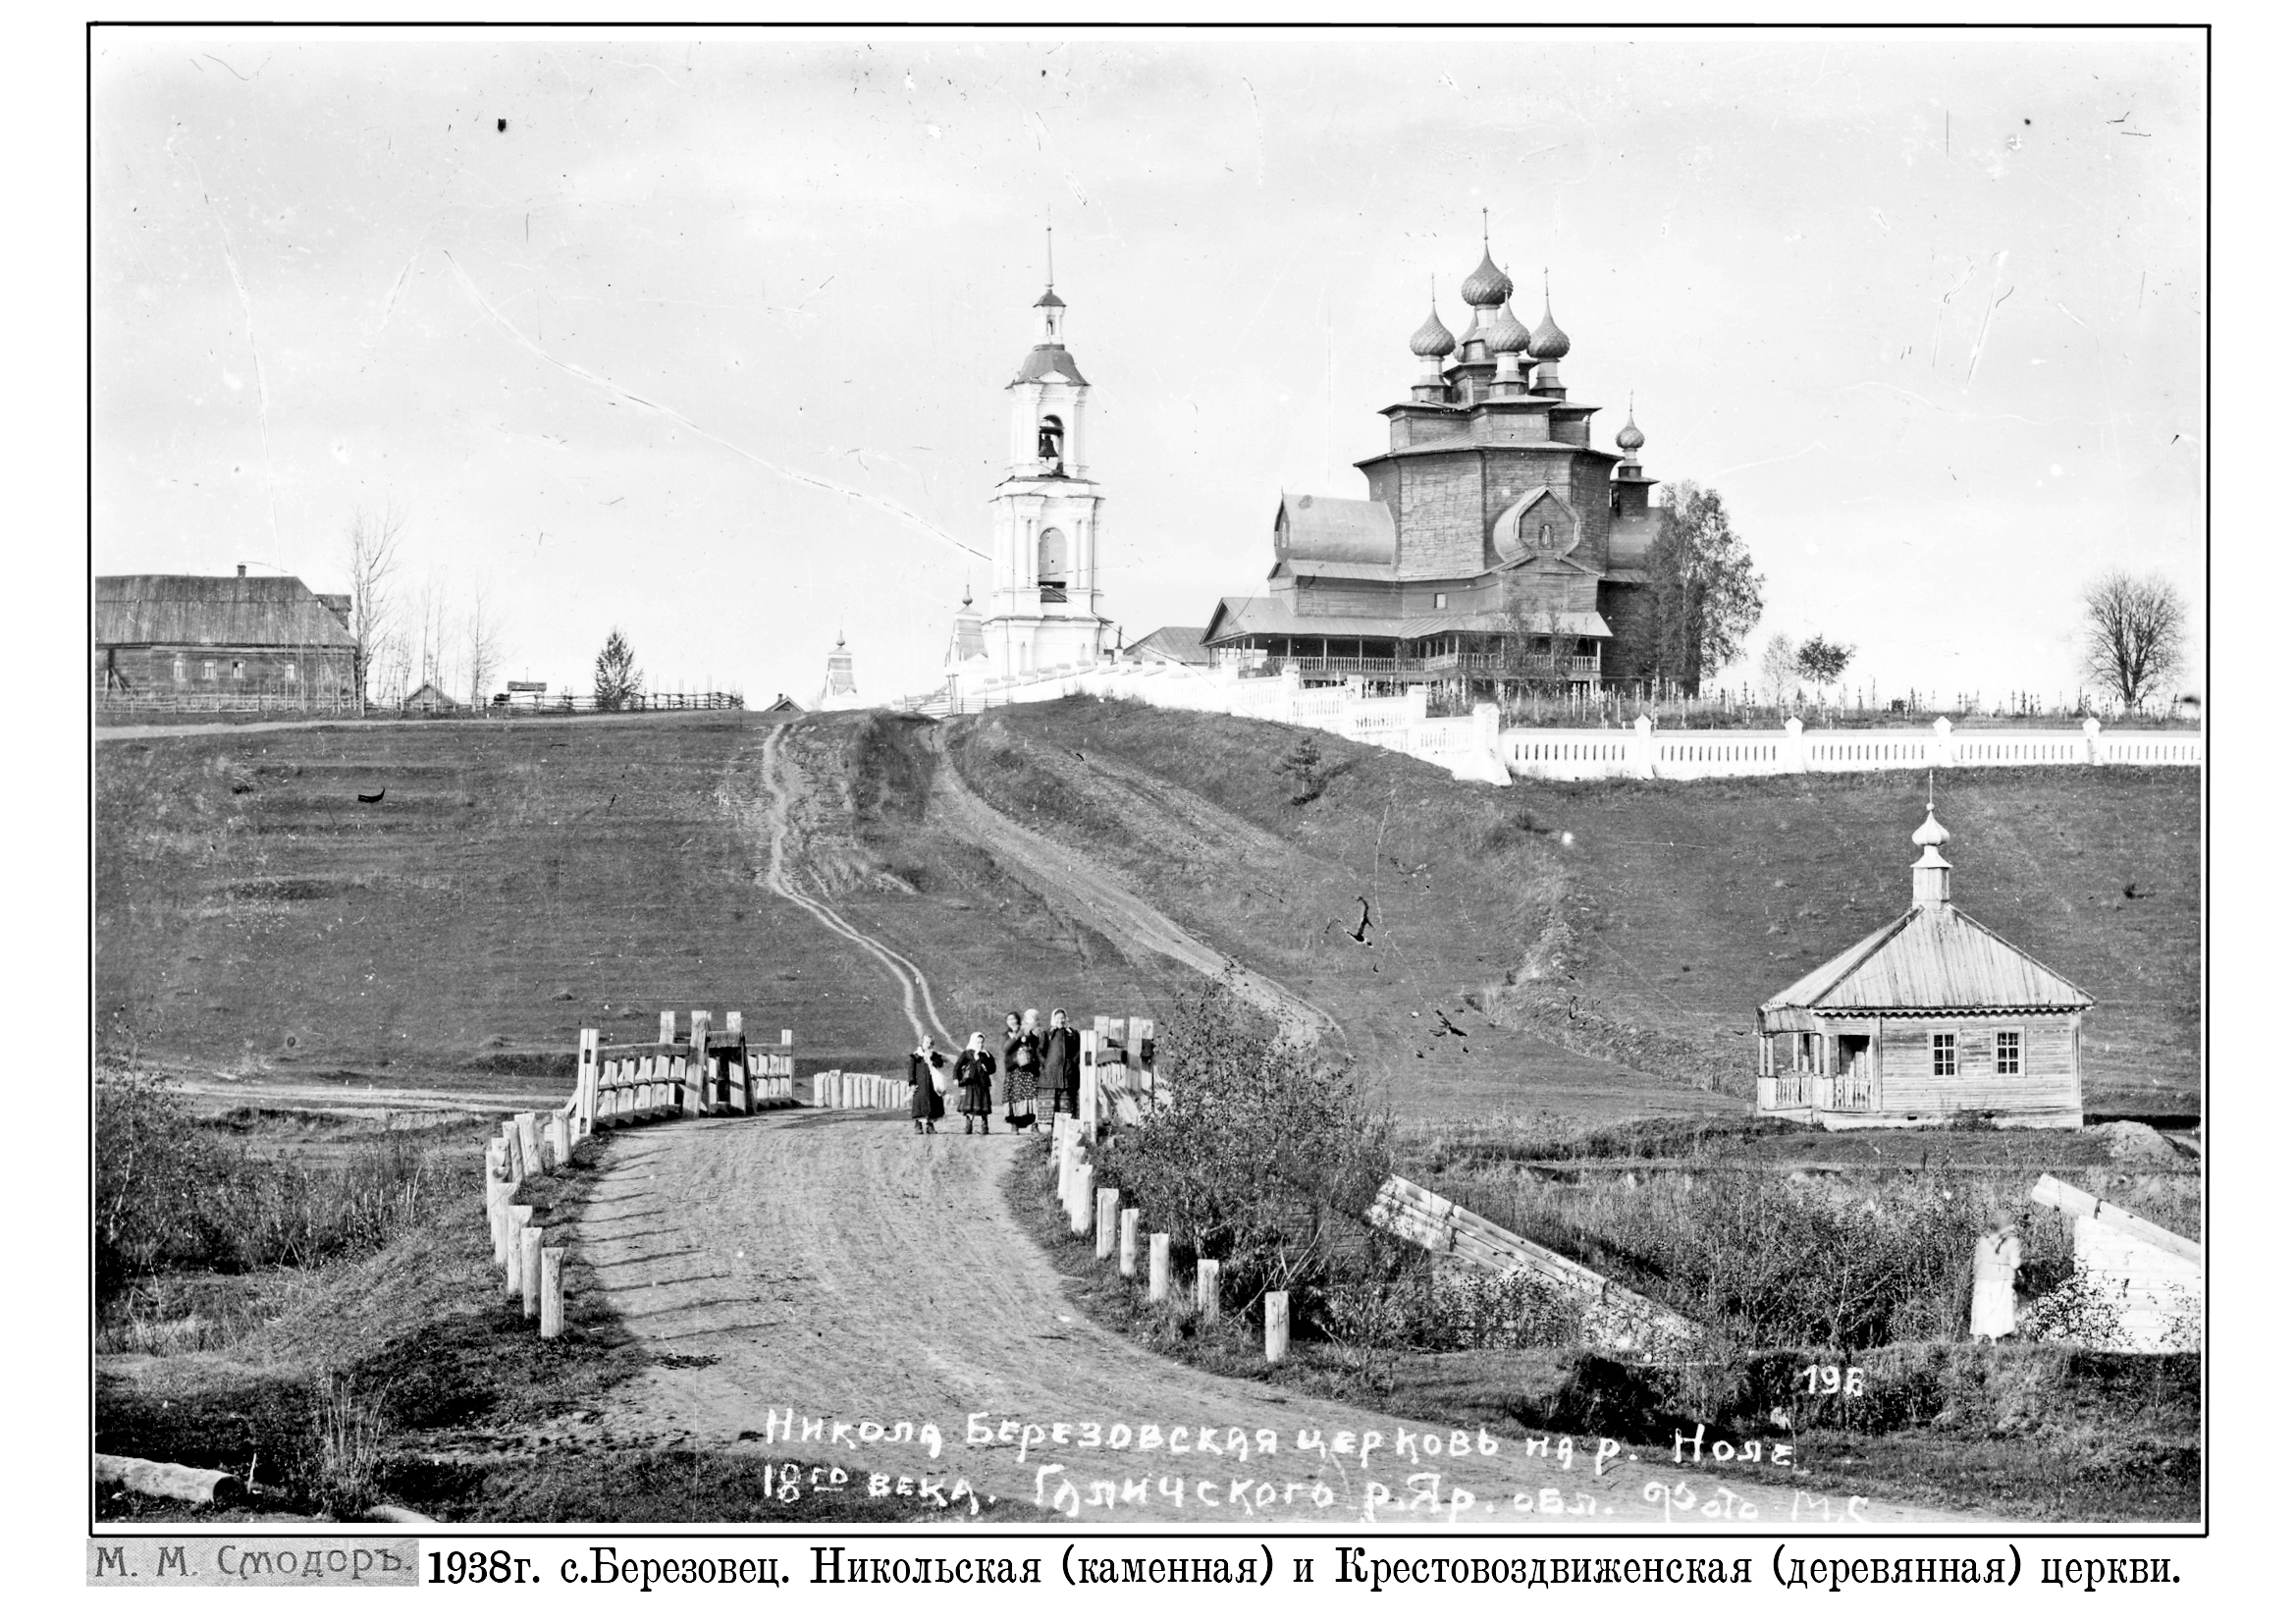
point(1041, 1066)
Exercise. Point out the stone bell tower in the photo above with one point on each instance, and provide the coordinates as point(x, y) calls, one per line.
point(1043, 597)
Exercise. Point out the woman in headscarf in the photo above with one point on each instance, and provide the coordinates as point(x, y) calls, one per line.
point(1060, 1063)
point(975, 1066)
point(1024, 1059)
point(924, 1081)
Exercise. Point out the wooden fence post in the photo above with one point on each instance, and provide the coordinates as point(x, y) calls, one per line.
point(531, 1272)
point(513, 1251)
point(1159, 1268)
point(561, 1139)
point(1146, 1101)
point(554, 1305)
point(1128, 1242)
point(1080, 1199)
point(586, 1084)
point(737, 1093)
point(1279, 1326)
point(1207, 1288)
point(530, 1145)
point(1135, 1029)
point(698, 1087)
point(1088, 1068)
point(498, 1194)
point(1104, 1239)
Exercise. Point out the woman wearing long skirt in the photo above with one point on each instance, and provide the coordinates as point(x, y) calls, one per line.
point(925, 1084)
point(1024, 1060)
point(1992, 1296)
point(975, 1066)
point(1061, 1045)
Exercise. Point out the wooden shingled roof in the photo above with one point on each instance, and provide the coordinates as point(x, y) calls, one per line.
point(214, 611)
point(1932, 958)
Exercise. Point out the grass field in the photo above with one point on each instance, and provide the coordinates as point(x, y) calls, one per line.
point(1639, 923)
point(1591, 951)
point(1553, 985)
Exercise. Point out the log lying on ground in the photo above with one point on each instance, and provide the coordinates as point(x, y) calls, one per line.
point(165, 1481)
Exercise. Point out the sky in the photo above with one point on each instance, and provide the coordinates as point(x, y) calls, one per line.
point(704, 335)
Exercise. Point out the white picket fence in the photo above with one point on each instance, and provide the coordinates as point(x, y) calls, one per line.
point(1644, 751)
point(1465, 746)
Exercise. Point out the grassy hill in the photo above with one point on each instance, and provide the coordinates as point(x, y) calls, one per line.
point(1636, 922)
point(1586, 951)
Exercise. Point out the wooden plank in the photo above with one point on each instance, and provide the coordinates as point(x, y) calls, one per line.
point(1442, 1226)
point(2077, 1203)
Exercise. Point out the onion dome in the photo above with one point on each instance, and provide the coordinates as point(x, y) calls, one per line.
point(1630, 436)
point(1433, 337)
point(1486, 285)
point(1507, 336)
point(1051, 301)
point(1550, 342)
point(1931, 833)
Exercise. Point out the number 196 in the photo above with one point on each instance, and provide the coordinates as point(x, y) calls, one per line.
point(1835, 1379)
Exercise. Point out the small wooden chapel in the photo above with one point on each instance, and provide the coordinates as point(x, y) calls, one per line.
point(1931, 1017)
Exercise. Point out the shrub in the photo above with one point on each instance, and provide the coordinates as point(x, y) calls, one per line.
point(1266, 1155)
point(176, 1192)
point(342, 1468)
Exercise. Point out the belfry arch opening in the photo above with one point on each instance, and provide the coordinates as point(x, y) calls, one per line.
point(1052, 561)
point(1051, 443)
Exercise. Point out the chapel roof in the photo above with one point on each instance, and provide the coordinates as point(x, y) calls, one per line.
point(1933, 957)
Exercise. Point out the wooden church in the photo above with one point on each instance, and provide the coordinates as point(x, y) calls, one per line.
point(1931, 1017)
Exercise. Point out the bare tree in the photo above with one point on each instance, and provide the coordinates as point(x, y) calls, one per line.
point(372, 559)
point(482, 644)
point(1531, 633)
point(1776, 680)
point(430, 632)
point(2135, 634)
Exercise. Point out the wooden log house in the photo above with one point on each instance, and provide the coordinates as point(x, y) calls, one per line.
point(1930, 1017)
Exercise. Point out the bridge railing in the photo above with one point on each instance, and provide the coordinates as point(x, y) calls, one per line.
point(709, 1070)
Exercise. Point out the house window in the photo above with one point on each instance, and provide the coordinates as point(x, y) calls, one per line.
point(238, 670)
point(179, 674)
point(2008, 1054)
point(207, 670)
point(291, 670)
point(1442, 600)
point(1941, 1055)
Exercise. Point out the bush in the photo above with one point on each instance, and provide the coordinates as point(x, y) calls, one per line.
point(343, 1466)
point(1266, 1155)
point(176, 1192)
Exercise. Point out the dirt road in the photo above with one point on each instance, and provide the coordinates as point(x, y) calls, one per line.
point(1071, 883)
point(835, 1269)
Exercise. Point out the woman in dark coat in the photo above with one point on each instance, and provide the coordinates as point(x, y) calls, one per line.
point(1024, 1059)
point(975, 1066)
point(1062, 1060)
point(925, 1104)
